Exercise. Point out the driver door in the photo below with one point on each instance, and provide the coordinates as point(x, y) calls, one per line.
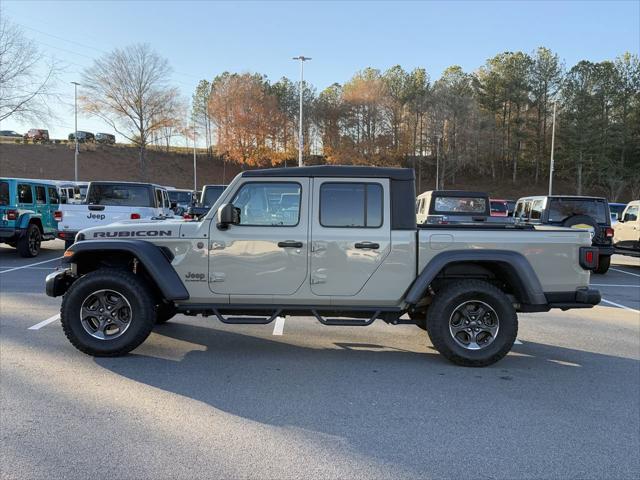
point(267, 253)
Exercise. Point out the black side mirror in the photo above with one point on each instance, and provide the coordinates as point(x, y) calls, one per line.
point(228, 215)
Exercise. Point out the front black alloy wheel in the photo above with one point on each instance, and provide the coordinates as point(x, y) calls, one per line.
point(108, 312)
point(472, 323)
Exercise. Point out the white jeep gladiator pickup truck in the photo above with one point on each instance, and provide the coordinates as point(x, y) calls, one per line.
point(109, 202)
point(337, 243)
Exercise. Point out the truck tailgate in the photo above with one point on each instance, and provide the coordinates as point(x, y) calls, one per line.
point(79, 217)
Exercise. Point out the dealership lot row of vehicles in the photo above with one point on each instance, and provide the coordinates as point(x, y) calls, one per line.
point(41, 135)
point(347, 245)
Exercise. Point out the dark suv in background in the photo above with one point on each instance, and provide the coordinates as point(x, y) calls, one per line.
point(591, 213)
point(83, 137)
point(105, 138)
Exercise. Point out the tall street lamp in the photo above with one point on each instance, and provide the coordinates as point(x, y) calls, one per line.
point(75, 135)
point(553, 140)
point(302, 59)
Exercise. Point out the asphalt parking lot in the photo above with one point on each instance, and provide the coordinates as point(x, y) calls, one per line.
point(297, 399)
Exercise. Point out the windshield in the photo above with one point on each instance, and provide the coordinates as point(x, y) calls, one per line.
point(562, 208)
point(499, 207)
point(179, 197)
point(471, 205)
point(211, 194)
point(4, 193)
point(125, 195)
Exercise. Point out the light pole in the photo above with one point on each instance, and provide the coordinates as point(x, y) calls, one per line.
point(437, 161)
point(195, 162)
point(553, 139)
point(75, 135)
point(302, 59)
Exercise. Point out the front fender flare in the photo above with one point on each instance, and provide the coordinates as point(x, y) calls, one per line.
point(519, 271)
point(149, 255)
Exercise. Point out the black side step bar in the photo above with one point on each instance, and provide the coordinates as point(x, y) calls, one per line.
point(346, 323)
point(246, 320)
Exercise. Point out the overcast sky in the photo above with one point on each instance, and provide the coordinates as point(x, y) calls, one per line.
point(203, 39)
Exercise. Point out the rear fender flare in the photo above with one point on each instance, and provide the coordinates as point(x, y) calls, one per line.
point(520, 273)
point(149, 255)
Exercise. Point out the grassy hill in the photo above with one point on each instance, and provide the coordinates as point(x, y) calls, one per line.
point(97, 162)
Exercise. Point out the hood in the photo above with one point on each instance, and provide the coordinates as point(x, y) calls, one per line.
point(135, 229)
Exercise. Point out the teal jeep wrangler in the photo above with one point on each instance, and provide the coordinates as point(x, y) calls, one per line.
point(27, 213)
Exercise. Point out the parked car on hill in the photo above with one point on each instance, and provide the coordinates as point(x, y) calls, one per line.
point(37, 135)
point(109, 202)
point(27, 212)
point(626, 236)
point(590, 213)
point(10, 134)
point(105, 138)
point(83, 137)
point(336, 243)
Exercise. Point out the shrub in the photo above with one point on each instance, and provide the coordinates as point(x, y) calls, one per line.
point(18, 140)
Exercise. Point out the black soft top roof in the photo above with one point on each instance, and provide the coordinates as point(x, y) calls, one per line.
point(334, 171)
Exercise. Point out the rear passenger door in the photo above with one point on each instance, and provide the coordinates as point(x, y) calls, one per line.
point(350, 233)
point(42, 207)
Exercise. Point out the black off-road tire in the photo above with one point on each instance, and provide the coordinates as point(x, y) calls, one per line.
point(136, 292)
point(165, 312)
point(604, 262)
point(448, 299)
point(29, 244)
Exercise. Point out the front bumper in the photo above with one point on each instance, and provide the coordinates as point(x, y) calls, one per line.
point(57, 283)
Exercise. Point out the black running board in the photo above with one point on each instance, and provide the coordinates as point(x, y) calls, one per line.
point(246, 320)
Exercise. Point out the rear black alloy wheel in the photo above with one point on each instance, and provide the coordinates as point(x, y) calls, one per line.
point(108, 312)
point(29, 245)
point(472, 323)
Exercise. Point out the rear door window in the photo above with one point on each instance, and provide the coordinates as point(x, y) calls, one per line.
point(54, 199)
point(357, 205)
point(25, 193)
point(5, 197)
point(41, 196)
point(536, 209)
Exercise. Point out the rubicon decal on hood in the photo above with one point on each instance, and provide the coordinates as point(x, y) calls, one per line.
point(139, 233)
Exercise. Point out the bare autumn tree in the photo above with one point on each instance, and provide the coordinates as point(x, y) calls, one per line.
point(128, 88)
point(246, 116)
point(25, 86)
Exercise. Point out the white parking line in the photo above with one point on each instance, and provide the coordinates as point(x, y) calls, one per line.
point(30, 265)
point(608, 285)
point(619, 305)
point(623, 271)
point(279, 326)
point(38, 326)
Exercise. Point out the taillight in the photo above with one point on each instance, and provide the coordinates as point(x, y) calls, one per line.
point(57, 216)
point(135, 216)
point(609, 232)
point(12, 214)
point(186, 216)
point(589, 258)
